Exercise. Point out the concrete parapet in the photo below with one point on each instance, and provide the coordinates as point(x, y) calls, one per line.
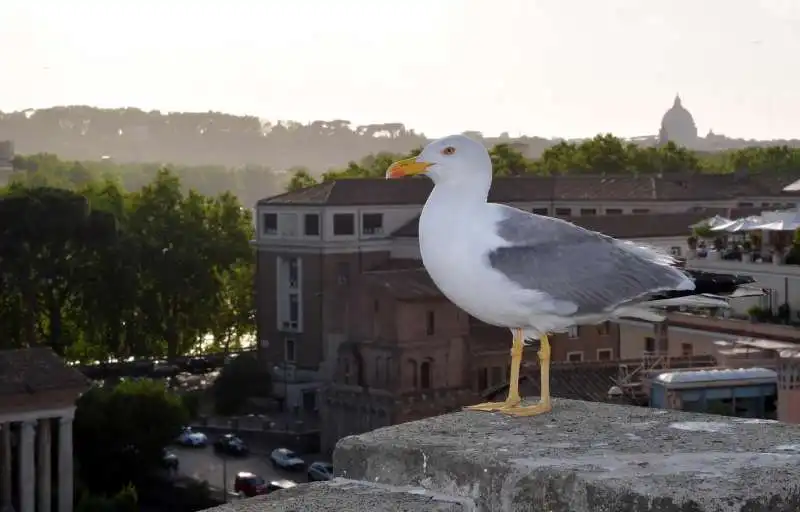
point(583, 457)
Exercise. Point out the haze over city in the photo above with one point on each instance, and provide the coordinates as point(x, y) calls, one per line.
point(571, 68)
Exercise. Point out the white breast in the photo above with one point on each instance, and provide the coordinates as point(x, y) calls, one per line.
point(453, 245)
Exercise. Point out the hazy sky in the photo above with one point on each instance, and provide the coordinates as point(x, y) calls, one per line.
point(566, 68)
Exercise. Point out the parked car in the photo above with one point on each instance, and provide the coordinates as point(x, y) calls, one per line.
point(249, 484)
point(169, 460)
point(230, 444)
point(191, 438)
point(286, 459)
point(277, 485)
point(198, 365)
point(319, 471)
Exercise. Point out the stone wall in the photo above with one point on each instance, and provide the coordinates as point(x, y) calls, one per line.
point(583, 457)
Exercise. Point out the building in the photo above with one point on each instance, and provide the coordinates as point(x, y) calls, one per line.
point(37, 405)
point(341, 298)
point(678, 126)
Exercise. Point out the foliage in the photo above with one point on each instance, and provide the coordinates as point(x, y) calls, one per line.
point(120, 432)
point(125, 500)
point(242, 378)
point(248, 183)
point(95, 271)
point(604, 154)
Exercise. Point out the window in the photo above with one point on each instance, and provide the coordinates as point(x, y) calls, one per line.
point(344, 224)
point(605, 354)
point(604, 329)
point(372, 224)
point(289, 350)
point(613, 211)
point(541, 211)
point(746, 205)
point(687, 349)
point(294, 272)
point(378, 369)
point(311, 224)
point(650, 344)
point(343, 272)
point(641, 210)
point(425, 375)
point(294, 310)
point(588, 211)
point(575, 357)
point(430, 323)
point(563, 212)
point(574, 332)
point(269, 223)
point(483, 379)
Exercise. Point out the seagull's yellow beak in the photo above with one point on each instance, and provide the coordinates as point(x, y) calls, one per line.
point(407, 167)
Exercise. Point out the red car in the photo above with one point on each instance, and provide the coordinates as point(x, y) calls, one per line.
point(249, 484)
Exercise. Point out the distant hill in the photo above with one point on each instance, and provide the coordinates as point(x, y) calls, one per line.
point(213, 138)
point(132, 135)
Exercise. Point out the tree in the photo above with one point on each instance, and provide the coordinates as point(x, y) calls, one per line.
point(120, 432)
point(243, 378)
point(46, 235)
point(301, 178)
point(125, 500)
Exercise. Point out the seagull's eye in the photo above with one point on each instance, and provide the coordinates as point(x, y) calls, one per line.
point(449, 150)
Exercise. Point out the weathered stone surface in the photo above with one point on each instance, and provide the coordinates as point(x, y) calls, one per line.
point(587, 457)
point(340, 495)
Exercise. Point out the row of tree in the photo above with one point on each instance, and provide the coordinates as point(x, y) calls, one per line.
point(248, 183)
point(602, 154)
point(92, 270)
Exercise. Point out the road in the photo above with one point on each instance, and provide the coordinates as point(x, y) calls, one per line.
point(204, 464)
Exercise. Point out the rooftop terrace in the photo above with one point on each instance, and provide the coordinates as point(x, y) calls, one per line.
point(584, 457)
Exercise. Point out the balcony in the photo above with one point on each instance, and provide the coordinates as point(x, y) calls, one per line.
point(582, 457)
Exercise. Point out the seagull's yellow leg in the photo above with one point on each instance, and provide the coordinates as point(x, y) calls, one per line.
point(513, 383)
point(544, 404)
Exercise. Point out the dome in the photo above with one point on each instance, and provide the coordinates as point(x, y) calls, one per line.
point(678, 125)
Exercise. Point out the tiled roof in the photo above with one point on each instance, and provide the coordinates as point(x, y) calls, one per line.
point(404, 284)
point(35, 370)
point(619, 226)
point(688, 187)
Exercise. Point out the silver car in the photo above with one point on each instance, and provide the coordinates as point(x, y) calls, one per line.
point(286, 459)
point(320, 471)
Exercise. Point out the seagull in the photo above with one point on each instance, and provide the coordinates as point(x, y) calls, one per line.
point(534, 274)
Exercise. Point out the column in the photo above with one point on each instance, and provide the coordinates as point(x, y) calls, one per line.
point(27, 469)
point(5, 466)
point(65, 489)
point(44, 477)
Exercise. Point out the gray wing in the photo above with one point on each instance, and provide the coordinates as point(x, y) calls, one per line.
point(589, 270)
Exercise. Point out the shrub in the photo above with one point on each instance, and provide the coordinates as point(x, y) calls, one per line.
point(242, 378)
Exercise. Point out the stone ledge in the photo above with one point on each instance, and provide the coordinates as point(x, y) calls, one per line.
point(587, 457)
point(342, 495)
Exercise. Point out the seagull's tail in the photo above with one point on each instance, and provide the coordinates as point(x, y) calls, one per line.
point(711, 290)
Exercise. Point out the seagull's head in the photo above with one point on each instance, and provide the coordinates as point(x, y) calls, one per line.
point(455, 158)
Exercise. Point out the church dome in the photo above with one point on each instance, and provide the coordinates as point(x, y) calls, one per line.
point(678, 125)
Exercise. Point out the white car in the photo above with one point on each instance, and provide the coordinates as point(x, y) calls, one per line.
point(191, 438)
point(286, 459)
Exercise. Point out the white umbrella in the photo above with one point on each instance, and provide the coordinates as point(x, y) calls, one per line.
point(713, 222)
point(745, 224)
point(781, 221)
